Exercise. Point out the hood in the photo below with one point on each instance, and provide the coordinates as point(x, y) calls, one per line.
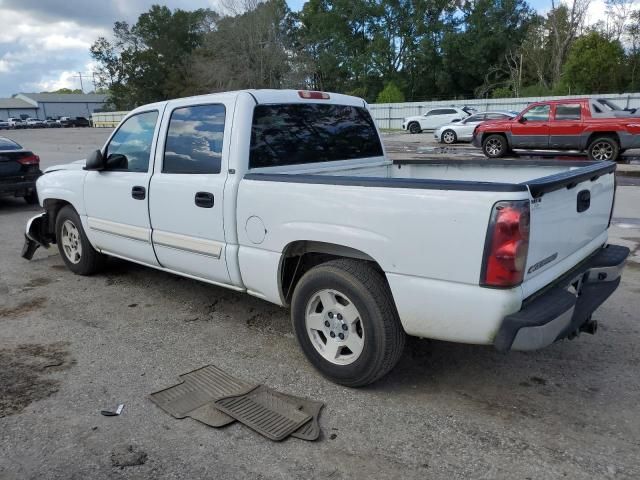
point(77, 165)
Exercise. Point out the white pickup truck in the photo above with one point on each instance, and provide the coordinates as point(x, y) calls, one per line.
point(288, 196)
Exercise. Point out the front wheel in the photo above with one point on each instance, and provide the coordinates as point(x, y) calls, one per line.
point(75, 249)
point(495, 146)
point(449, 137)
point(414, 127)
point(603, 149)
point(346, 322)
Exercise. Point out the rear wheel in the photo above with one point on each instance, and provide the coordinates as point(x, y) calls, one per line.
point(603, 149)
point(449, 137)
point(77, 253)
point(414, 127)
point(495, 146)
point(346, 322)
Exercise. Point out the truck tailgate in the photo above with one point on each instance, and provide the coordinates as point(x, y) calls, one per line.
point(569, 213)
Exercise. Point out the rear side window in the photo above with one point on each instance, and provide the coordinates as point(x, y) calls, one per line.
point(568, 111)
point(194, 140)
point(293, 134)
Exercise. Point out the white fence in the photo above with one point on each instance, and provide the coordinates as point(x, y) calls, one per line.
point(390, 115)
point(107, 119)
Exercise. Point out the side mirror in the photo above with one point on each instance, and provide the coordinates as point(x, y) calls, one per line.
point(522, 120)
point(95, 161)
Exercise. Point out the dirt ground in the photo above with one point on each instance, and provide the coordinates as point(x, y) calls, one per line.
point(71, 346)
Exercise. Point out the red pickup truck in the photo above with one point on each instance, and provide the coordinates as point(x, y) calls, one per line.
point(596, 126)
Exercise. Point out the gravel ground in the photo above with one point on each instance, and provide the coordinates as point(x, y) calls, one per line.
point(71, 346)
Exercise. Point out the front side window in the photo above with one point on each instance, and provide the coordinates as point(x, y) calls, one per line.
point(292, 134)
point(568, 111)
point(130, 147)
point(194, 140)
point(539, 113)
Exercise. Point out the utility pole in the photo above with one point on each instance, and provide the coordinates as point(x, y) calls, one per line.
point(81, 86)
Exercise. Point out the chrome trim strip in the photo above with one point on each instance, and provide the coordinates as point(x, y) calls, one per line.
point(120, 229)
point(201, 246)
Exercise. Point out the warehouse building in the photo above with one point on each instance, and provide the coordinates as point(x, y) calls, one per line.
point(14, 107)
point(54, 105)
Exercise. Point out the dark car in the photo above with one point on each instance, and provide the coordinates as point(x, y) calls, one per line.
point(19, 170)
point(74, 122)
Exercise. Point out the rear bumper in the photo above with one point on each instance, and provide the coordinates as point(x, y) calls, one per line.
point(563, 310)
point(17, 187)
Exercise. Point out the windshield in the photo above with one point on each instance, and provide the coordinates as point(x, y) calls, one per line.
point(292, 134)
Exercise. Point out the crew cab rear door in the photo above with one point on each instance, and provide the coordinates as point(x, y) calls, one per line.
point(186, 192)
point(566, 126)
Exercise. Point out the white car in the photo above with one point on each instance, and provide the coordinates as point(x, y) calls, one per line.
point(433, 118)
point(462, 131)
point(34, 123)
point(15, 122)
point(288, 196)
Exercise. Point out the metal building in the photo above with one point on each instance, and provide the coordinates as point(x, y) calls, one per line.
point(15, 107)
point(62, 104)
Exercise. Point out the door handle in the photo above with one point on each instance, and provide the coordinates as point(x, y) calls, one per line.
point(139, 193)
point(204, 199)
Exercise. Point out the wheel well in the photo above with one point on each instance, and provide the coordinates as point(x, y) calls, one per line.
point(301, 256)
point(52, 206)
point(488, 134)
point(594, 135)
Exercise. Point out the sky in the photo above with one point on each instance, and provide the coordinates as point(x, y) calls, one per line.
point(45, 43)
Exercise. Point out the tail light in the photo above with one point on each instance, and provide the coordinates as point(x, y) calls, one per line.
point(29, 160)
point(506, 245)
point(313, 95)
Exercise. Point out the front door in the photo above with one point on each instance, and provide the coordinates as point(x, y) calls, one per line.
point(186, 192)
point(116, 198)
point(532, 128)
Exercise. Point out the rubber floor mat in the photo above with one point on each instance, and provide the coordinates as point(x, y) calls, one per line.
point(194, 396)
point(265, 411)
point(311, 430)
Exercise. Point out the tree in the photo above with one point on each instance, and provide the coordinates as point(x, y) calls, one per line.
point(594, 65)
point(149, 61)
point(263, 59)
point(390, 94)
point(565, 23)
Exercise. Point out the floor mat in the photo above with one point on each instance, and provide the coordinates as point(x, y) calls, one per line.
point(267, 412)
point(194, 396)
point(310, 430)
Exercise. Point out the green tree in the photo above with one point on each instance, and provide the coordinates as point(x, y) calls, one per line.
point(594, 65)
point(148, 61)
point(391, 93)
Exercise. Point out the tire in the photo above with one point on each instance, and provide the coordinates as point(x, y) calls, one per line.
point(361, 307)
point(414, 127)
point(84, 260)
point(603, 149)
point(449, 137)
point(32, 197)
point(495, 146)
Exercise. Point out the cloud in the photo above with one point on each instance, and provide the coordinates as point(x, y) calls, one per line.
point(48, 41)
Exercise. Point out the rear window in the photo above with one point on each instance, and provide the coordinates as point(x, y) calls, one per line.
point(568, 111)
point(293, 134)
point(6, 144)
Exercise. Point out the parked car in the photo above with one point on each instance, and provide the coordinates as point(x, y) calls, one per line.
point(52, 123)
point(575, 124)
point(4, 125)
point(34, 123)
point(433, 119)
point(462, 131)
point(74, 122)
point(262, 192)
point(15, 122)
point(19, 170)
